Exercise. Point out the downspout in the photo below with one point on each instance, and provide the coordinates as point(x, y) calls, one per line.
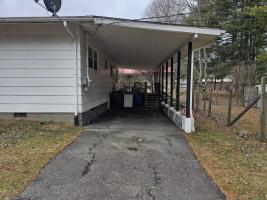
point(74, 37)
point(76, 119)
point(88, 81)
point(65, 23)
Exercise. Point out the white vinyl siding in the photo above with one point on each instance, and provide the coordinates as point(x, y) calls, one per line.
point(36, 73)
point(101, 85)
point(37, 69)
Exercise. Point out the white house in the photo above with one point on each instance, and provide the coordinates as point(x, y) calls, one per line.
point(62, 70)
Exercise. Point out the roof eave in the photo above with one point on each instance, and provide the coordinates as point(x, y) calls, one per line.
point(117, 21)
point(46, 19)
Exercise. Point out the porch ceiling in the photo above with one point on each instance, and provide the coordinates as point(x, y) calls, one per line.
point(142, 45)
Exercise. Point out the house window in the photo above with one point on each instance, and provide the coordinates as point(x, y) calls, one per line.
point(95, 60)
point(90, 58)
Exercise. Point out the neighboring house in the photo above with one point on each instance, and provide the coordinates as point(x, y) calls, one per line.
point(65, 71)
point(128, 77)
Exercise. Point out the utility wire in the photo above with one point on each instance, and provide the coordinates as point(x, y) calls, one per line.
point(192, 13)
point(37, 1)
point(174, 15)
point(209, 19)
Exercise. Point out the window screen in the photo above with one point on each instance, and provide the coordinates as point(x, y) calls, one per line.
point(95, 60)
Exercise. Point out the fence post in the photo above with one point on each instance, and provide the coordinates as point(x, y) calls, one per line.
point(210, 102)
point(229, 114)
point(194, 97)
point(263, 110)
point(204, 97)
point(217, 94)
point(197, 98)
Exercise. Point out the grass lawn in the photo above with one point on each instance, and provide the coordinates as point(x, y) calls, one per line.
point(238, 166)
point(26, 147)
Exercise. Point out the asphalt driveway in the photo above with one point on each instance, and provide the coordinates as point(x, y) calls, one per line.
point(125, 156)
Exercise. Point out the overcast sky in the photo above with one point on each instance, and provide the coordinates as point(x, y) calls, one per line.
point(131, 9)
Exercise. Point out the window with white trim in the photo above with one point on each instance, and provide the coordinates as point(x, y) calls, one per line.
point(92, 59)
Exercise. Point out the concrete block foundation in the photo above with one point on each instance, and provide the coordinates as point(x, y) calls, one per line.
point(86, 117)
point(83, 118)
point(55, 117)
point(186, 124)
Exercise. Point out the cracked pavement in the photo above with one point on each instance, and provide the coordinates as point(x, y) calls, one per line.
point(125, 156)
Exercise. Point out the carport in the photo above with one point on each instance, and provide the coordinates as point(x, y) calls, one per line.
point(54, 53)
point(123, 154)
point(155, 47)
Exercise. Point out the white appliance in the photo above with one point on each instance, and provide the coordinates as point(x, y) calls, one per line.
point(128, 100)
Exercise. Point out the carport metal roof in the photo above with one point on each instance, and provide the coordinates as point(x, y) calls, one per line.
point(145, 45)
point(132, 43)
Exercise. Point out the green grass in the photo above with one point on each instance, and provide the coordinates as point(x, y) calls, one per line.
point(238, 166)
point(25, 148)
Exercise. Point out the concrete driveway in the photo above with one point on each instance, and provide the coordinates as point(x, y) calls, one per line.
point(125, 156)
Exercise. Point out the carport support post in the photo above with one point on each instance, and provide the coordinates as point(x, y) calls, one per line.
point(157, 76)
point(263, 110)
point(159, 82)
point(178, 81)
point(166, 96)
point(162, 84)
point(189, 80)
point(171, 103)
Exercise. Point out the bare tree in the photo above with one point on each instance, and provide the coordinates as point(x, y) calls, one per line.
point(169, 11)
point(244, 75)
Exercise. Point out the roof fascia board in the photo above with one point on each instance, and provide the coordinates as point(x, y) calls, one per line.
point(45, 19)
point(160, 27)
point(118, 22)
